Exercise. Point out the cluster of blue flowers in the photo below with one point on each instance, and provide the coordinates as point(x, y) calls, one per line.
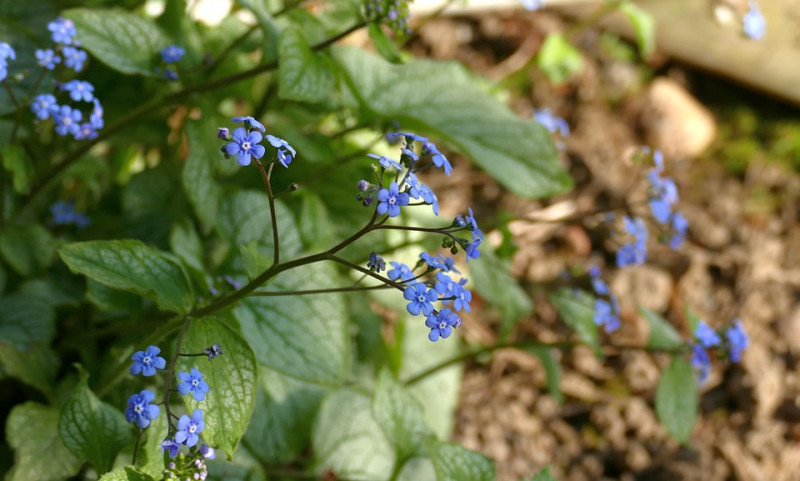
point(755, 25)
point(706, 338)
point(68, 120)
point(245, 143)
point(393, 13)
point(141, 411)
point(64, 213)
point(6, 53)
point(606, 306)
point(170, 55)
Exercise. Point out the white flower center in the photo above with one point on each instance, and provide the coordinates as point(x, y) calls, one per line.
point(192, 428)
point(246, 146)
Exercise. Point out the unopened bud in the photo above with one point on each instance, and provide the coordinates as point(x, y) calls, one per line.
point(223, 133)
point(363, 185)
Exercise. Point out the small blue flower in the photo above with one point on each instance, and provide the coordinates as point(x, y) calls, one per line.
point(282, 146)
point(755, 25)
point(147, 362)
point(408, 155)
point(86, 131)
point(7, 52)
point(418, 190)
point(250, 123)
point(438, 159)
point(173, 53)
point(193, 383)
point(67, 120)
point(451, 290)
point(170, 446)
point(140, 410)
point(79, 90)
point(400, 271)
point(605, 315)
point(244, 146)
point(737, 340)
point(376, 263)
point(434, 262)
point(548, 119)
point(64, 213)
point(636, 252)
point(390, 200)
point(43, 106)
point(232, 282)
point(74, 58)
point(421, 299)
point(47, 58)
point(207, 451)
point(386, 162)
point(701, 361)
point(533, 4)
point(213, 351)
point(189, 428)
point(63, 30)
point(96, 118)
point(408, 137)
point(679, 226)
point(442, 325)
point(472, 249)
point(599, 286)
point(706, 336)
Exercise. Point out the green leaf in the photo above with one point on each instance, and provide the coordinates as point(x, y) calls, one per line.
point(91, 429)
point(552, 368)
point(643, 25)
point(558, 59)
point(676, 399)
point(577, 310)
point(304, 75)
point(281, 422)
point(126, 473)
point(662, 335)
point(32, 431)
point(26, 320)
point(454, 462)
point(199, 172)
point(494, 282)
point(124, 41)
point(244, 218)
point(230, 377)
point(29, 249)
point(693, 320)
point(16, 161)
point(543, 475)
point(301, 336)
point(347, 440)
point(110, 299)
point(35, 366)
point(254, 261)
point(131, 266)
point(383, 44)
point(150, 458)
point(152, 203)
point(400, 415)
point(518, 153)
point(314, 222)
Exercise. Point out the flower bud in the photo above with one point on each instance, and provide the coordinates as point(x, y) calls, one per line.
point(363, 185)
point(223, 133)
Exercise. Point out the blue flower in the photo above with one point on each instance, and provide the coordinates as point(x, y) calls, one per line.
point(409, 138)
point(755, 25)
point(74, 58)
point(7, 52)
point(409, 156)
point(86, 131)
point(170, 446)
point(63, 30)
point(386, 162)
point(550, 121)
point(737, 340)
point(472, 249)
point(96, 118)
point(679, 226)
point(438, 159)
point(418, 190)
point(64, 213)
point(147, 362)
point(47, 58)
point(193, 383)
point(420, 298)
point(636, 252)
point(244, 146)
point(451, 290)
point(282, 146)
point(706, 336)
point(476, 232)
point(664, 195)
point(232, 282)
point(390, 200)
point(67, 120)
point(701, 361)
point(207, 451)
point(605, 315)
point(442, 325)
point(250, 123)
point(173, 53)
point(376, 263)
point(44, 106)
point(189, 428)
point(79, 90)
point(140, 410)
point(599, 286)
point(213, 351)
point(400, 271)
point(533, 4)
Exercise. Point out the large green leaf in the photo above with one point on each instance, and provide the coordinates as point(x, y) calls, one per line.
point(454, 462)
point(35, 366)
point(126, 473)
point(305, 337)
point(304, 75)
point(150, 457)
point(17, 161)
point(26, 319)
point(231, 379)
point(91, 429)
point(662, 334)
point(577, 309)
point(443, 100)
point(676, 399)
point(244, 218)
point(280, 428)
point(124, 41)
point(29, 249)
point(348, 441)
point(32, 431)
point(132, 266)
point(400, 416)
point(199, 172)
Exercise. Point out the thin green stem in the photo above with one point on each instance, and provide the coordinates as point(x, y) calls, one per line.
point(265, 176)
point(136, 446)
point(317, 291)
point(171, 370)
